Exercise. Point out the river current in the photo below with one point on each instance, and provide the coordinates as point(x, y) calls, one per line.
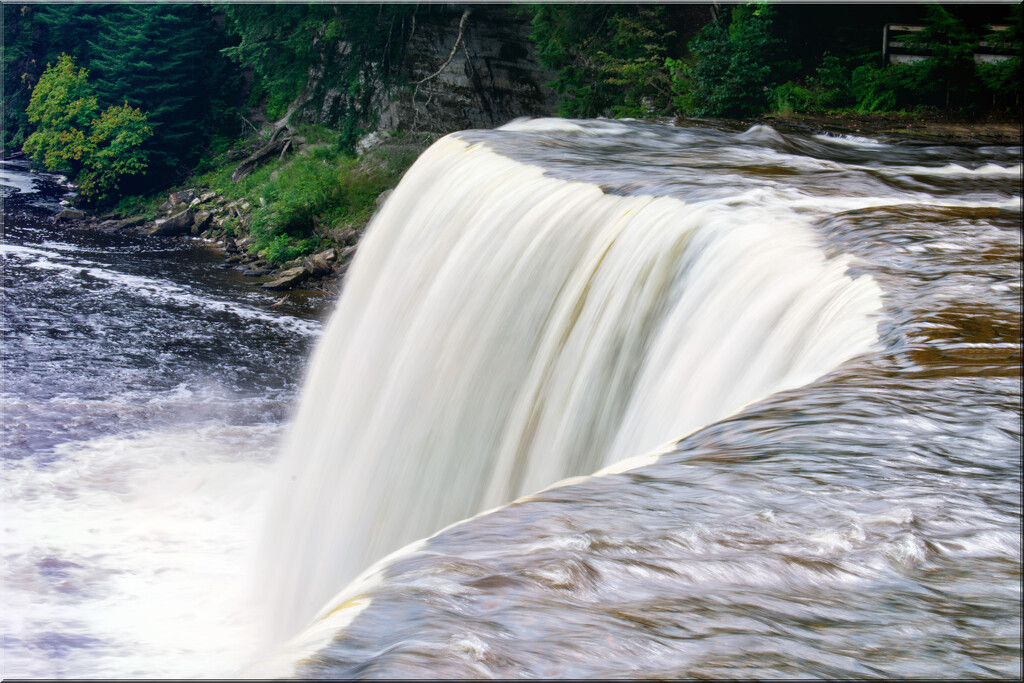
point(863, 522)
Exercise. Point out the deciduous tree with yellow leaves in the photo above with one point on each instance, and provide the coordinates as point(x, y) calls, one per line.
point(96, 149)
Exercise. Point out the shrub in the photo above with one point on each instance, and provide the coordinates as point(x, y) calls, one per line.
point(309, 197)
point(792, 97)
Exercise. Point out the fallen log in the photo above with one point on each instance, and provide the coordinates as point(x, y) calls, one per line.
point(276, 146)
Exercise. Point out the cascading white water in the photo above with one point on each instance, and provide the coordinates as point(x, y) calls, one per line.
point(502, 329)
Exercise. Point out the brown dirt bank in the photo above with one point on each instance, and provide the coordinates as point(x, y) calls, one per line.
point(933, 128)
point(930, 128)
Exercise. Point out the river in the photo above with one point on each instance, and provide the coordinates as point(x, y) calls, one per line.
point(833, 331)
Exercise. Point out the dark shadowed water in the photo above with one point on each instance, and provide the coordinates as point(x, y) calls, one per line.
point(867, 524)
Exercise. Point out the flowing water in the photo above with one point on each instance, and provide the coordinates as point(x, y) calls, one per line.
point(143, 393)
point(794, 363)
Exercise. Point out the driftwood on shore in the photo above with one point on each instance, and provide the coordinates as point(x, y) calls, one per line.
point(277, 146)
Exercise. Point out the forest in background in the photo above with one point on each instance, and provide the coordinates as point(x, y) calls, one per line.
point(131, 99)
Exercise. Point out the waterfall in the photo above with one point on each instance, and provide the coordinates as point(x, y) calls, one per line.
point(502, 328)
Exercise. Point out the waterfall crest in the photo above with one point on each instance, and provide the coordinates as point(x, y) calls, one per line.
point(501, 329)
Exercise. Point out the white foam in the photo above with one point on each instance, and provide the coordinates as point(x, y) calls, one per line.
point(158, 290)
point(948, 170)
point(851, 140)
point(143, 546)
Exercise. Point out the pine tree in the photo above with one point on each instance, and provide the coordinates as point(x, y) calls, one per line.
point(148, 58)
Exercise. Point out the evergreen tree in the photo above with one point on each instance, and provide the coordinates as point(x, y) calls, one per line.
point(163, 58)
point(609, 58)
point(35, 35)
point(733, 67)
point(152, 57)
point(18, 61)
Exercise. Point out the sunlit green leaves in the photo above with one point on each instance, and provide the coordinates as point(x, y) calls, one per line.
point(73, 136)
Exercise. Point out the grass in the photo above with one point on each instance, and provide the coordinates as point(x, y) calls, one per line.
point(300, 201)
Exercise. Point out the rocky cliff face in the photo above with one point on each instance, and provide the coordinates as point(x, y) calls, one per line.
point(468, 67)
point(463, 66)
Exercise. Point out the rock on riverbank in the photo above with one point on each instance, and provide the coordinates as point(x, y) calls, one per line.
point(198, 214)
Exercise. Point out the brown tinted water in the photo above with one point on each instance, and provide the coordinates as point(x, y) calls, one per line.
point(866, 524)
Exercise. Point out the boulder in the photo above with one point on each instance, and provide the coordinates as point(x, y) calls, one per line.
point(201, 221)
point(344, 237)
point(177, 224)
point(207, 196)
point(367, 143)
point(382, 197)
point(70, 215)
point(183, 197)
point(287, 279)
point(130, 222)
point(316, 265)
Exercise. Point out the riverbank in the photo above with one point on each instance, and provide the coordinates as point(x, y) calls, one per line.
point(290, 220)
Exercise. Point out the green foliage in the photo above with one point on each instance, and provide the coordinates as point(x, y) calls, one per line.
point(165, 59)
point(312, 195)
point(135, 205)
point(97, 149)
point(733, 68)
point(948, 75)
point(116, 141)
point(277, 103)
point(949, 79)
point(62, 106)
point(301, 52)
point(34, 35)
point(161, 58)
point(790, 97)
point(276, 40)
point(830, 88)
point(1003, 79)
point(17, 62)
point(610, 59)
point(299, 201)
